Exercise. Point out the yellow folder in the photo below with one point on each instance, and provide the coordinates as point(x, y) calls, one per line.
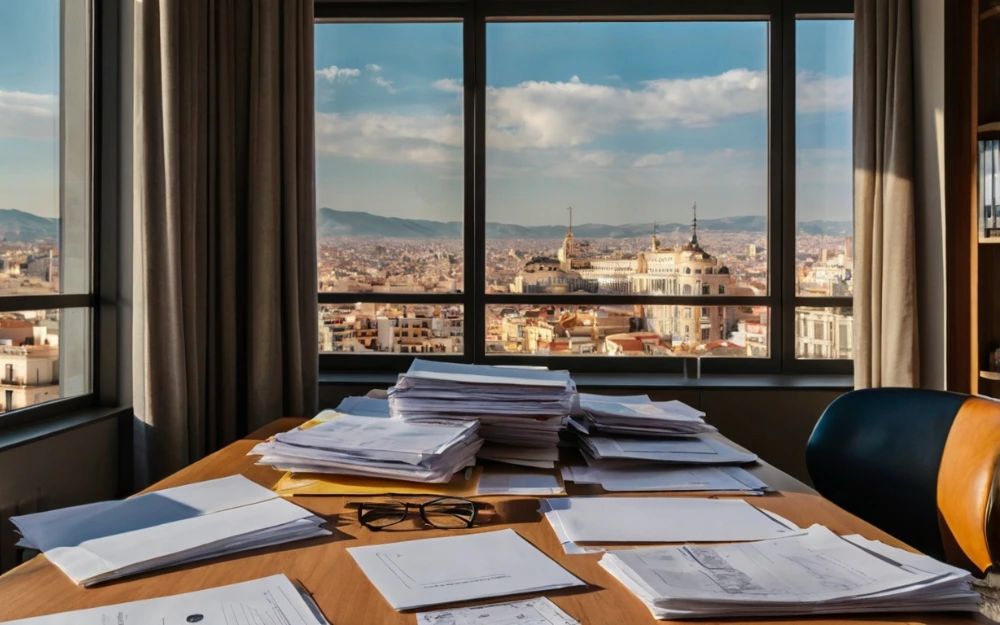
point(292, 484)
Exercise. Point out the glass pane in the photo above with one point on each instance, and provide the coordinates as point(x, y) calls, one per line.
point(824, 195)
point(35, 366)
point(389, 157)
point(425, 329)
point(824, 333)
point(44, 147)
point(627, 157)
point(659, 330)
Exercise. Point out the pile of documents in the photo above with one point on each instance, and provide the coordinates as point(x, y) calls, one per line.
point(635, 520)
point(638, 415)
point(107, 540)
point(816, 572)
point(701, 449)
point(429, 452)
point(624, 439)
point(270, 600)
point(417, 573)
point(521, 407)
point(652, 477)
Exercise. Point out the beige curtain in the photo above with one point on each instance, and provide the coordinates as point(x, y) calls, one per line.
point(885, 297)
point(225, 331)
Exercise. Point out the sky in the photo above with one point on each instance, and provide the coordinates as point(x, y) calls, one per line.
point(29, 105)
point(625, 122)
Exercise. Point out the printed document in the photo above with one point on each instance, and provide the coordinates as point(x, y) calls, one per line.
point(661, 520)
point(271, 600)
point(417, 573)
point(538, 611)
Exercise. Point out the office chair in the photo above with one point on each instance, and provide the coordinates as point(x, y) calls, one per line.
point(918, 464)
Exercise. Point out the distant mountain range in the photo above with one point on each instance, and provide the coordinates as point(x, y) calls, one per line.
point(337, 223)
point(17, 225)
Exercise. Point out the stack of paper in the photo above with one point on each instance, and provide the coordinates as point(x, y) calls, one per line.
point(702, 449)
point(517, 407)
point(420, 452)
point(638, 415)
point(102, 541)
point(501, 483)
point(665, 478)
point(538, 457)
point(631, 520)
point(814, 573)
point(417, 573)
point(270, 600)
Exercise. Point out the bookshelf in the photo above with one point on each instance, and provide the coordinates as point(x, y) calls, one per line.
point(972, 113)
point(987, 116)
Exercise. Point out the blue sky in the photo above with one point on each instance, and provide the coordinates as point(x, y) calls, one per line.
point(623, 121)
point(29, 86)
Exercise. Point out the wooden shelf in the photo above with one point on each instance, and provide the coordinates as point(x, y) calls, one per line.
point(989, 241)
point(988, 129)
point(990, 375)
point(988, 13)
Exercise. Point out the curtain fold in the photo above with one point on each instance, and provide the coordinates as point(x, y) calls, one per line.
point(885, 297)
point(225, 330)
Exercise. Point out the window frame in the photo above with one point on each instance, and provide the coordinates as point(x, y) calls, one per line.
point(103, 36)
point(781, 299)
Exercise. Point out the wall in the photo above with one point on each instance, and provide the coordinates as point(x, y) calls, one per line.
point(928, 118)
point(73, 468)
point(774, 423)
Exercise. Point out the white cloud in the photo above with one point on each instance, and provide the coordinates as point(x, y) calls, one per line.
point(372, 67)
point(333, 73)
point(387, 84)
point(601, 158)
point(449, 85)
point(816, 93)
point(420, 139)
point(654, 159)
point(551, 127)
point(565, 114)
point(26, 115)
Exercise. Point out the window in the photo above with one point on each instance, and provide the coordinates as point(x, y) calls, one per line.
point(824, 226)
point(46, 174)
point(528, 183)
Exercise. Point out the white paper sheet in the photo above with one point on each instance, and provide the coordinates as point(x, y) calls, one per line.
point(496, 483)
point(432, 571)
point(661, 520)
point(271, 600)
point(696, 450)
point(538, 611)
point(166, 527)
point(666, 478)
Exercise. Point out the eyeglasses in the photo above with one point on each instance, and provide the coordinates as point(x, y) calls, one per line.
point(442, 513)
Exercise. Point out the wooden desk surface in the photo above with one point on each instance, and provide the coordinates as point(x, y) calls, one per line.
point(343, 592)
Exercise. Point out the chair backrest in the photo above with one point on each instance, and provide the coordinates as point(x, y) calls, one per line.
point(967, 486)
point(877, 453)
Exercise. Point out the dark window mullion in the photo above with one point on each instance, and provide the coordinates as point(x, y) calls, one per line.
point(17, 303)
point(475, 73)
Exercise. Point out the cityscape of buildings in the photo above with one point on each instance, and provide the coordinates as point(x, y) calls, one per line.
point(675, 263)
point(29, 341)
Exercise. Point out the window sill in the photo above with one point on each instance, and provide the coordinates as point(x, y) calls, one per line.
point(33, 431)
point(640, 381)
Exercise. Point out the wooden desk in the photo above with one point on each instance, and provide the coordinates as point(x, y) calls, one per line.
point(347, 597)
